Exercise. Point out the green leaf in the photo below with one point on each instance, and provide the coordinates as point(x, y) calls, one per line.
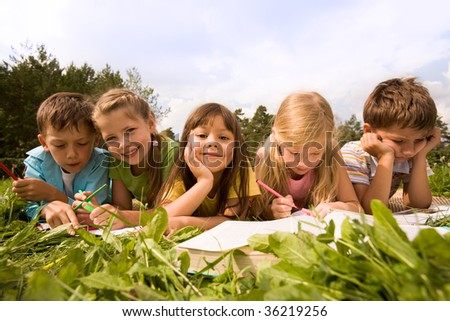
point(43, 287)
point(89, 238)
point(287, 247)
point(433, 246)
point(105, 281)
point(68, 273)
point(113, 240)
point(185, 261)
point(156, 224)
point(390, 238)
point(296, 292)
point(260, 242)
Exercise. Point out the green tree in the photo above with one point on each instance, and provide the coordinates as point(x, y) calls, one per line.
point(26, 82)
point(349, 131)
point(78, 79)
point(258, 129)
point(441, 154)
point(243, 121)
point(105, 80)
point(445, 135)
point(33, 75)
point(134, 83)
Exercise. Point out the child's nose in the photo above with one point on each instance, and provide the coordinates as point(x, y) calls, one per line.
point(71, 152)
point(408, 150)
point(211, 144)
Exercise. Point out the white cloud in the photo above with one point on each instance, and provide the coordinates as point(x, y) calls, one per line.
point(244, 53)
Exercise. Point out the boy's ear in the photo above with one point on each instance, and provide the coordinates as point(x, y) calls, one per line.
point(43, 143)
point(367, 128)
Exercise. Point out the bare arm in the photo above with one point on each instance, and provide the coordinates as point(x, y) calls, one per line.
point(121, 196)
point(381, 183)
point(187, 203)
point(417, 193)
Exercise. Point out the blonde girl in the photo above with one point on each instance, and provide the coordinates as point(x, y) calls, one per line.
point(142, 157)
point(301, 160)
point(212, 180)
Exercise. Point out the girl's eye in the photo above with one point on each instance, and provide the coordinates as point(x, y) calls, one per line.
point(224, 138)
point(129, 131)
point(202, 135)
point(398, 141)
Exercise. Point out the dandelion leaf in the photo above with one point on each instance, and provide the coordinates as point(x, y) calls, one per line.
point(390, 238)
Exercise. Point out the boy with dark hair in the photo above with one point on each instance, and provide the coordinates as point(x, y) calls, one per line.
point(399, 131)
point(67, 161)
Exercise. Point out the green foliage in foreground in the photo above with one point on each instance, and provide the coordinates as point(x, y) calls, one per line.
point(367, 263)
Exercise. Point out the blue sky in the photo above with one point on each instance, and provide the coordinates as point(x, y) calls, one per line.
point(245, 53)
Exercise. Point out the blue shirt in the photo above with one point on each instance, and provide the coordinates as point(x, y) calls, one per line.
point(41, 165)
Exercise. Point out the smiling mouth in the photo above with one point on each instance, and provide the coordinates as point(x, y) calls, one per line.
point(130, 153)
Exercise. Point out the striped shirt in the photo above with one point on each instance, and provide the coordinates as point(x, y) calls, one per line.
point(361, 167)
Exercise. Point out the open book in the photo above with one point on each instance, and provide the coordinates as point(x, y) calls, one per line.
point(232, 236)
point(217, 242)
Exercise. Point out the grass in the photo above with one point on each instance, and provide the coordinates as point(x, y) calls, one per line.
point(440, 181)
point(366, 263)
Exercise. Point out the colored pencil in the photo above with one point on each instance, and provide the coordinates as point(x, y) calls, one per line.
point(271, 190)
point(10, 174)
point(89, 197)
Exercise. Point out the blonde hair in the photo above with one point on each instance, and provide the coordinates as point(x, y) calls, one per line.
point(135, 106)
point(403, 102)
point(303, 118)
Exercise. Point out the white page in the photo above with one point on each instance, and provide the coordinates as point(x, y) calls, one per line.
point(234, 234)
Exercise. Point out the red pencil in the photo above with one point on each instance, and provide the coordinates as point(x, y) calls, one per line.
point(271, 190)
point(6, 169)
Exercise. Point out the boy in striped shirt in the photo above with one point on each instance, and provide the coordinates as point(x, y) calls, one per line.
point(399, 131)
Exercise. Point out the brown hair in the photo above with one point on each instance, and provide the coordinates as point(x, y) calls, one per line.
point(63, 110)
point(402, 102)
point(239, 166)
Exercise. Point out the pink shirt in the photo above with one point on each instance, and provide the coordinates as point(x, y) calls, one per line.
point(299, 189)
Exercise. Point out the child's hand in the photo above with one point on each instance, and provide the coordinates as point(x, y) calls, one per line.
point(197, 168)
point(102, 215)
point(81, 197)
point(322, 210)
point(59, 213)
point(32, 189)
point(282, 207)
point(432, 141)
point(373, 145)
